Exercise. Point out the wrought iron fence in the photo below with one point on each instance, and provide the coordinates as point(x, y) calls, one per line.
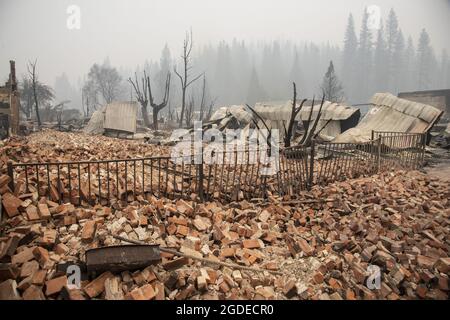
point(225, 175)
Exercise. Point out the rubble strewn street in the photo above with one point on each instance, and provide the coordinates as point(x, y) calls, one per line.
point(320, 244)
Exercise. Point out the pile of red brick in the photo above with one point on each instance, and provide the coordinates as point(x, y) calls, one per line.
point(323, 244)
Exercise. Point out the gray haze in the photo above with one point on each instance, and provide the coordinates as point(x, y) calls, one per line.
point(129, 33)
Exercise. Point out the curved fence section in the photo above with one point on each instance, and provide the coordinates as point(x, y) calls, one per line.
point(225, 176)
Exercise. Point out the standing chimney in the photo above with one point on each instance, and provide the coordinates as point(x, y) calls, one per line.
point(12, 75)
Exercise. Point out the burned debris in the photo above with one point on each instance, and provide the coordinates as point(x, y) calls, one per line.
point(147, 190)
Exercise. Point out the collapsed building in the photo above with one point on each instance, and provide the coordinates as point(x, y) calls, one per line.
point(334, 118)
point(392, 114)
point(436, 98)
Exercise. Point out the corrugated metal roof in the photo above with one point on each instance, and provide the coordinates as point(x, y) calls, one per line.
point(392, 114)
point(330, 111)
point(121, 116)
point(238, 111)
point(282, 111)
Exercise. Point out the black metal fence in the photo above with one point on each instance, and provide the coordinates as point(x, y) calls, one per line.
point(225, 175)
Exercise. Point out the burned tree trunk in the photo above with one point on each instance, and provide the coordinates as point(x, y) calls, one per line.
point(294, 113)
point(32, 73)
point(142, 97)
point(184, 79)
point(158, 107)
point(309, 133)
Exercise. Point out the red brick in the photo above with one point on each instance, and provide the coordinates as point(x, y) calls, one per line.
point(318, 278)
point(175, 264)
point(306, 248)
point(88, 232)
point(29, 268)
point(49, 237)
point(97, 286)
point(23, 256)
point(290, 289)
point(136, 294)
point(426, 262)
point(182, 230)
point(32, 213)
point(252, 243)
point(11, 204)
point(8, 290)
point(41, 255)
point(160, 294)
point(443, 265)
point(148, 292)
point(39, 277)
point(228, 252)
point(4, 180)
point(33, 293)
point(44, 213)
point(55, 285)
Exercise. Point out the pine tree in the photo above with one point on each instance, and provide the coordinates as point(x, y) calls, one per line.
point(443, 69)
point(380, 69)
point(409, 66)
point(349, 56)
point(331, 86)
point(398, 64)
point(391, 42)
point(296, 74)
point(364, 59)
point(165, 66)
point(256, 92)
point(224, 74)
point(424, 61)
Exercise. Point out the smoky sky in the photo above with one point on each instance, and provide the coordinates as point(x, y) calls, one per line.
point(130, 31)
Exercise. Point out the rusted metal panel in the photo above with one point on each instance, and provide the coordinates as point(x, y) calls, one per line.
point(120, 258)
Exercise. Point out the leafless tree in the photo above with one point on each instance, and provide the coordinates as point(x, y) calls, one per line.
point(89, 97)
point(141, 95)
point(294, 113)
point(189, 114)
point(158, 107)
point(33, 78)
point(44, 93)
point(203, 100)
point(185, 76)
point(106, 80)
point(210, 108)
point(309, 130)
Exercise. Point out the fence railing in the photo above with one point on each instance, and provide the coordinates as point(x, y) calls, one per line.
point(400, 150)
point(227, 175)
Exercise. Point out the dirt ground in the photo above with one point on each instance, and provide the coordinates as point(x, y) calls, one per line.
point(439, 164)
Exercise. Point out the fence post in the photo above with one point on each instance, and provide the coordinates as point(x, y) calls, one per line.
point(200, 179)
point(379, 154)
point(424, 144)
point(311, 165)
point(11, 175)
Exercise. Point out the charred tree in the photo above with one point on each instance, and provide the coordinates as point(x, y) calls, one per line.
point(189, 114)
point(33, 79)
point(158, 107)
point(141, 95)
point(309, 131)
point(184, 77)
point(202, 101)
point(294, 113)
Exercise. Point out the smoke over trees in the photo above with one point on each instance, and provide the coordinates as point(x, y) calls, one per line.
point(366, 61)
